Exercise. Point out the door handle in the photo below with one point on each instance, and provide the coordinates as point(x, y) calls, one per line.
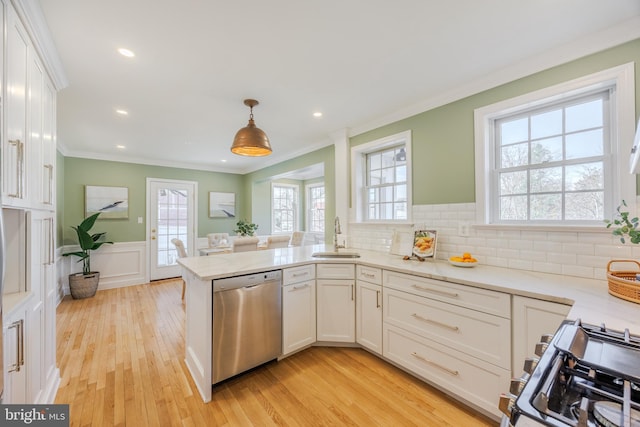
point(153, 237)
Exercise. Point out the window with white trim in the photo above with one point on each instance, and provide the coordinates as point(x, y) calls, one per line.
point(284, 208)
point(554, 157)
point(315, 208)
point(382, 184)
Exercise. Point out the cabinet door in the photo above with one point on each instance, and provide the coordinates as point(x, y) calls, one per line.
point(34, 357)
point(532, 318)
point(336, 310)
point(298, 316)
point(14, 145)
point(15, 380)
point(369, 316)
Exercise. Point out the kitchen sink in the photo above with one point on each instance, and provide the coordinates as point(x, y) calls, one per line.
point(335, 255)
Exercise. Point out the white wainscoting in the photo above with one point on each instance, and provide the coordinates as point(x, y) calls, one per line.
point(120, 265)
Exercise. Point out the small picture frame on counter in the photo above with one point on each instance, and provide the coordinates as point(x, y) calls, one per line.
point(424, 244)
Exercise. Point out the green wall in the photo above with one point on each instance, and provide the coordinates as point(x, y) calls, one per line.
point(443, 168)
point(256, 183)
point(79, 172)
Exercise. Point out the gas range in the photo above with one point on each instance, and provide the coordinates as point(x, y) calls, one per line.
point(585, 376)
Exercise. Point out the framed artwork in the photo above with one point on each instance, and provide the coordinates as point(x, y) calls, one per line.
point(424, 243)
point(222, 205)
point(111, 202)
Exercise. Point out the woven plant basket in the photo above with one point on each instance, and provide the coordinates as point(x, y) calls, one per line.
point(83, 286)
point(624, 284)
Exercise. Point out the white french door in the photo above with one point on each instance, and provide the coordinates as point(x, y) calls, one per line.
point(171, 213)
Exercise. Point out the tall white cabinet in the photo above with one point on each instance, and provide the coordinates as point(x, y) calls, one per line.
point(28, 153)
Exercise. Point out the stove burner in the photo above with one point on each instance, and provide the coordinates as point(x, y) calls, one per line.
point(609, 414)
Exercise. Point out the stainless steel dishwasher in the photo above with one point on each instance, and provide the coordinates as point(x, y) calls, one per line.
point(247, 322)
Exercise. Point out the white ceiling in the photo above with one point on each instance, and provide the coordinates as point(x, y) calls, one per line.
point(362, 63)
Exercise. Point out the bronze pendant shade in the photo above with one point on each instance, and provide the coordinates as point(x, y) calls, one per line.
point(251, 140)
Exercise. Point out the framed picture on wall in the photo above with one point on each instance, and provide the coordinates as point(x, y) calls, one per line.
point(111, 202)
point(222, 205)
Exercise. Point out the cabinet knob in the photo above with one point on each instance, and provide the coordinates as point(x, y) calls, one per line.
point(530, 364)
point(506, 404)
point(540, 348)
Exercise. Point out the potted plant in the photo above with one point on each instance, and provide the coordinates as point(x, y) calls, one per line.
point(85, 284)
point(245, 228)
point(624, 226)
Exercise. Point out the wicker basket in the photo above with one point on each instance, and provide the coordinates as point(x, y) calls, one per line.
point(83, 286)
point(623, 284)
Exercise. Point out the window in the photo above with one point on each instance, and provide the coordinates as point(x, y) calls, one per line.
point(382, 170)
point(554, 157)
point(315, 208)
point(284, 210)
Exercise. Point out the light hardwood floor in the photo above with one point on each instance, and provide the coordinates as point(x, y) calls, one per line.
point(121, 359)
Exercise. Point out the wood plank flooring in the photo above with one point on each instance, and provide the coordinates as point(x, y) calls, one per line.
point(121, 359)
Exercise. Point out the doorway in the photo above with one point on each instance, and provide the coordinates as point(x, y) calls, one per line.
point(171, 214)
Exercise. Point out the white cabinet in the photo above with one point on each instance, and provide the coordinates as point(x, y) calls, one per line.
point(15, 371)
point(298, 308)
point(42, 319)
point(532, 318)
point(456, 336)
point(369, 308)
point(14, 160)
point(335, 292)
point(28, 153)
point(28, 149)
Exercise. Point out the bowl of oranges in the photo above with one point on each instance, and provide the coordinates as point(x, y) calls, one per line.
point(466, 260)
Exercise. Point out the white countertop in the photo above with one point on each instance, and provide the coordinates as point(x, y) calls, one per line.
point(590, 299)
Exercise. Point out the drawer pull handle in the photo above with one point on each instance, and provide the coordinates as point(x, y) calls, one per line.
point(300, 274)
point(298, 287)
point(437, 365)
point(436, 291)
point(435, 322)
point(369, 275)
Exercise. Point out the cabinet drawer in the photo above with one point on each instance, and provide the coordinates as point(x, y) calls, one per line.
point(492, 302)
point(481, 335)
point(335, 271)
point(467, 377)
point(298, 274)
point(369, 274)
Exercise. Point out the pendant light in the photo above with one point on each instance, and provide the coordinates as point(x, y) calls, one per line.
point(251, 140)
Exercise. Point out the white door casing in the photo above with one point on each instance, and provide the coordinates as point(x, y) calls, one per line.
point(171, 213)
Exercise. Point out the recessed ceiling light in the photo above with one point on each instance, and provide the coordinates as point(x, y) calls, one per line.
point(317, 114)
point(120, 147)
point(122, 112)
point(126, 52)
point(224, 160)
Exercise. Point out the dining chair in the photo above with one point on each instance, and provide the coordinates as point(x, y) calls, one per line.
point(297, 237)
point(182, 253)
point(215, 239)
point(245, 244)
point(278, 242)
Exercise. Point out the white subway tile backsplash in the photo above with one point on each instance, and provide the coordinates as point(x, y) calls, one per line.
point(579, 248)
point(581, 254)
point(547, 246)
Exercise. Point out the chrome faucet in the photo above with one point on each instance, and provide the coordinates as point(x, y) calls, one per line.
point(336, 231)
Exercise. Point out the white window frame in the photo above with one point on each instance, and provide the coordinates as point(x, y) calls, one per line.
point(622, 104)
point(307, 203)
point(359, 179)
point(296, 208)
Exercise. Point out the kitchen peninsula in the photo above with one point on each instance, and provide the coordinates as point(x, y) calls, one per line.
point(490, 296)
